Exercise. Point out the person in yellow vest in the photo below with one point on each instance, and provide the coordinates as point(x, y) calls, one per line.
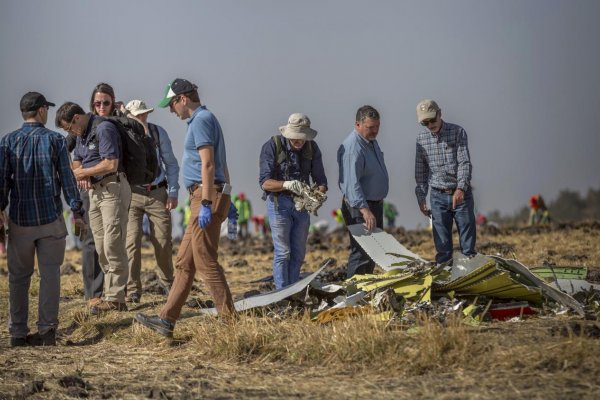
point(244, 214)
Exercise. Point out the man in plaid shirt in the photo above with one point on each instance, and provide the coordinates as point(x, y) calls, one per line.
point(443, 163)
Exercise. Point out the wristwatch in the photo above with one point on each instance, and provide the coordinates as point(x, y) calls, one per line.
point(206, 203)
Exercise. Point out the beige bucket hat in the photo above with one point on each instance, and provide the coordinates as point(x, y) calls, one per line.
point(137, 107)
point(298, 127)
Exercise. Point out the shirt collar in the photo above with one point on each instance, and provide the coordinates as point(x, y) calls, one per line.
point(365, 141)
point(196, 111)
point(33, 124)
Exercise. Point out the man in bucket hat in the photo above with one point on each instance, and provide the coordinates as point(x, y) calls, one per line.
point(286, 160)
point(155, 200)
point(364, 182)
point(443, 163)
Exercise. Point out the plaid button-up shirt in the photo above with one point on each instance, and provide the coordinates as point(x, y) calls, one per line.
point(442, 160)
point(34, 167)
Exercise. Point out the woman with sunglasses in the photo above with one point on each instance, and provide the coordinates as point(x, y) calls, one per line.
point(102, 101)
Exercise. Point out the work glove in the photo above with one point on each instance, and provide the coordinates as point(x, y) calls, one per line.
point(293, 186)
point(80, 228)
point(204, 216)
point(233, 212)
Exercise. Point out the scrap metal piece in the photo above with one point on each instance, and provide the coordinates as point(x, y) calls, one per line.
point(554, 272)
point(547, 290)
point(265, 299)
point(382, 247)
point(310, 199)
point(572, 286)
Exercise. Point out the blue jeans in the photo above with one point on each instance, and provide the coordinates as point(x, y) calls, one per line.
point(443, 215)
point(289, 229)
point(359, 261)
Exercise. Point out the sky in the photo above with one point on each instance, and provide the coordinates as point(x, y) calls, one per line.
point(521, 77)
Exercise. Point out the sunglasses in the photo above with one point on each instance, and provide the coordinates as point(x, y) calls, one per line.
point(104, 103)
point(174, 101)
point(426, 122)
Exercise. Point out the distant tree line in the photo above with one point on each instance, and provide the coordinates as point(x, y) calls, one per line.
point(569, 206)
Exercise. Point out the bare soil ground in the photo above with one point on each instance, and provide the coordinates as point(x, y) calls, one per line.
point(265, 355)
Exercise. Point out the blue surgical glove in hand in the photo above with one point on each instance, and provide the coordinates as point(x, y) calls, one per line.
point(233, 212)
point(204, 216)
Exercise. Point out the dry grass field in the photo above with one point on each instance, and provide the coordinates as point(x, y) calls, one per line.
point(267, 355)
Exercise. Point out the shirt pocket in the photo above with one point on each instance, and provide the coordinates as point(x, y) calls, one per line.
point(450, 157)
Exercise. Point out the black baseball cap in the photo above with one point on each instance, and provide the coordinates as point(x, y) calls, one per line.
point(177, 87)
point(32, 101)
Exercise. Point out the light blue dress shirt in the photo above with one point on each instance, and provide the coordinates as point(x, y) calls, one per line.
point(169, 167)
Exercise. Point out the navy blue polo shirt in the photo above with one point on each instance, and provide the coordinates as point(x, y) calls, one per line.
point(106, 145)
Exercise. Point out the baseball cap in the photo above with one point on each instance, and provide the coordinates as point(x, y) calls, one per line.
point(32, 101)
point(426, 109)
point(178, 86)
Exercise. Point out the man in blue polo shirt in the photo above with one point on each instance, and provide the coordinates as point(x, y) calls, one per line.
point(206, 177)
point(364, 182)
point(97, 160)
point(34, 168)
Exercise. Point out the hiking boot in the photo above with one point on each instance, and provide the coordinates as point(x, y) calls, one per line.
point(18, 341)
point(160, 326)
point(133, 298)
point(46, 339)
point(106, 306)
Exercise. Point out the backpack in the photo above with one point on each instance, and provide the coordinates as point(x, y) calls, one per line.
point(139, 150)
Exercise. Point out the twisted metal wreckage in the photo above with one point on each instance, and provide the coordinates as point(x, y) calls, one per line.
point(478, 288)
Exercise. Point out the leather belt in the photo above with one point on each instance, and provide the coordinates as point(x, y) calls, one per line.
point(146, 189)
point(447, 191)
point(106, 179)
point(217, 185)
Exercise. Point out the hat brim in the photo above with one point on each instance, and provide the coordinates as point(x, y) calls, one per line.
point(165, 102)
point(426, 115)
point(49, 104)
point(143, 111)
point(305, 134)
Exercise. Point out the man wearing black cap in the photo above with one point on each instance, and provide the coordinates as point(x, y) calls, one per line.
point(206, 177)
point(34, 167)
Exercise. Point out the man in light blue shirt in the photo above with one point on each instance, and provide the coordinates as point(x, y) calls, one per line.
point(364, 182)
point(156, 201)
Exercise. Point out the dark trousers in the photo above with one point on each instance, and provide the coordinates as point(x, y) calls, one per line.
point(93, 277)
point(358, 261)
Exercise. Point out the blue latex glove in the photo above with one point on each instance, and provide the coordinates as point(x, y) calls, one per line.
point(233, 212)
point(204, 216)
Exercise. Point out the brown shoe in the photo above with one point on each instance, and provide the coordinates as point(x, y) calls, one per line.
point(94, 301)
point(108, 306)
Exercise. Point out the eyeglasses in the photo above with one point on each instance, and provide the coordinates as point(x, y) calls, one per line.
point(104, 103)
point(426, 122)
point(68, 128)
point(174, 101)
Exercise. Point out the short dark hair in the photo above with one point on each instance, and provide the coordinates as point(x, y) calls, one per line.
point(366, 112)
point(106, 89)
point(29, 114)
point(193, 96)
point(66, 112)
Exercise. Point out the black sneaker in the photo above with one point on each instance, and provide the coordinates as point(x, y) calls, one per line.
point(46, 339)
point(157, 324)
point(18, 341)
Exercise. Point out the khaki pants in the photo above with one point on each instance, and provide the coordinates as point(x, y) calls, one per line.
point(109, 207)
point(48, 241)
point(154, 205)
point(198, 252)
